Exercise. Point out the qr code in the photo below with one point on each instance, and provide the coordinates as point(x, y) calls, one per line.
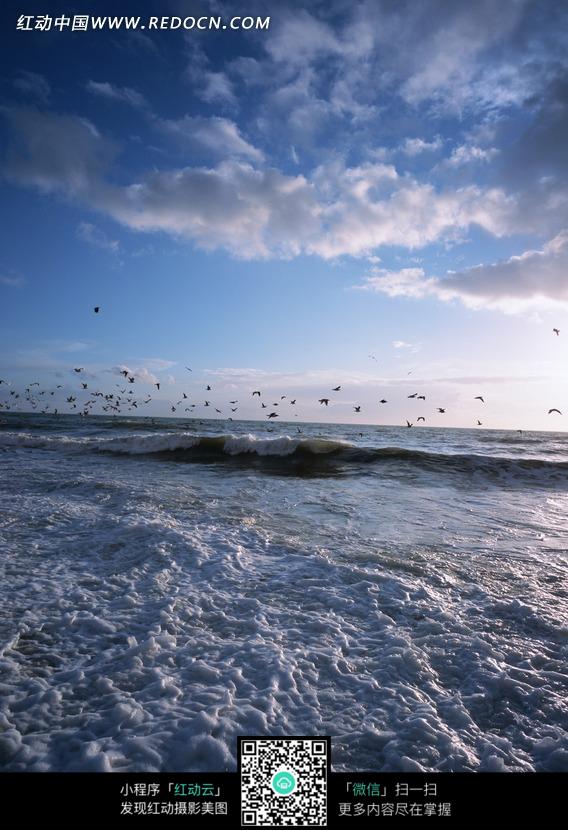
point(284, 781)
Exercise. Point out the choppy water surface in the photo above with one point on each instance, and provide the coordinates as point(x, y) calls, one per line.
point(168, 585)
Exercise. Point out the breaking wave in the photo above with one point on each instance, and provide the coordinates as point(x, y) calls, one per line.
point(285, 453)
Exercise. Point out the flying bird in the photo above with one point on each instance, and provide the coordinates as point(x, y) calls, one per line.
point(273, 415)
point(157, 385)
point(441, 410)
point(479, 398)
point(357, 408)
point(383, 401)
point(188, 369)
point(479, 424)
point(96, 309)
point(554, 410)
point(324, 400)
point(256, 393)
point(336, 388)
point(80, 369)
point(408, 424)
point(422, 418)
point(556, 331)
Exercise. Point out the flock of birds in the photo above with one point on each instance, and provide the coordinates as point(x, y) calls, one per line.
point(124, 400)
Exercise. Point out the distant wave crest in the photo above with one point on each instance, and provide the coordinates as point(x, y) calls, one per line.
point(287, 453)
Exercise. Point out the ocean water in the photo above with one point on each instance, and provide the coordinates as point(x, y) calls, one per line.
point(168, 585)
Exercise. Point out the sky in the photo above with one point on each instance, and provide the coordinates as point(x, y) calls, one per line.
point(365, 194)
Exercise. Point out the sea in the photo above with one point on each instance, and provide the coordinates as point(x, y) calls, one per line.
point(168, 585)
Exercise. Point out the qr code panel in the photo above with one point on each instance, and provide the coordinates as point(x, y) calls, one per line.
point(284, 782)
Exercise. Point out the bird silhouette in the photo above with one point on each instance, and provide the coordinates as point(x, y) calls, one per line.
point(554, 410)
point(479, 398)
point(324, 400)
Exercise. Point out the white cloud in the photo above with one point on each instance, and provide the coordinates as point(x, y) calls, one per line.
point(95, 236)
point(414, 146)
point(535, 279)
point(254, 213)
point(12, 281)
point(141, 374)
point(34, 84)
point(468, 153)
point(220, 135)
point(215, 87)
point(115, 93)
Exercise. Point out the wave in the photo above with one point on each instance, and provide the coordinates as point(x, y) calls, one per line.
point(288, 454)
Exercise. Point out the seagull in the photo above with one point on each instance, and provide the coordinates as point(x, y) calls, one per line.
point(479, 398)
point(412, 396)
point(157, 385)
point(336, 388)
point(324, 400)
point(272, 415)
point(256, 393)
point(233, 401)
point(422, 418)
point(188, 369)
point(408, 424)
point(293, 402)
point(441, 410)
point(383, 401)
point(80, 369)
point(357, 408)
point(421, 398)
point(554, 410)
point(479, 424)
point(96, 309)
point(556, 331)
point(122, 372)
point(208, 388)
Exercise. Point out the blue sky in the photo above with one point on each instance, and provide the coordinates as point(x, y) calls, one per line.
point(358, 192)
